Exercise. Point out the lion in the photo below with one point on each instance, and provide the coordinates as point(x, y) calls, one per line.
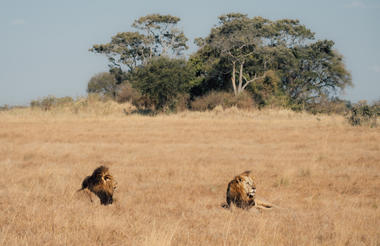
point(101, 183)
point(241, 192)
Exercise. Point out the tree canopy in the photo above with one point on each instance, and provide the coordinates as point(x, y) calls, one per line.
point(157, 35)
point(162, 34)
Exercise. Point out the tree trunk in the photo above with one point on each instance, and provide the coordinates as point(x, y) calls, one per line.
point(233, 78)
point(240, 88)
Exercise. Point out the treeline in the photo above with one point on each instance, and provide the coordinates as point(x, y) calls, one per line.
point(278, 63)
point(244, 62)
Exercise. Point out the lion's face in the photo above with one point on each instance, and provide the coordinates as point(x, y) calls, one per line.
point(109, 183)
point(248, 185)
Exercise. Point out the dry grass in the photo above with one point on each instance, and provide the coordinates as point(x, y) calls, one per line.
point(173, 172)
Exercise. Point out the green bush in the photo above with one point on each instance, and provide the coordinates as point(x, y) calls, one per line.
point(162, 81)
point(104, 84)
point(363, 114)
point(327, 106)
point(224, 99)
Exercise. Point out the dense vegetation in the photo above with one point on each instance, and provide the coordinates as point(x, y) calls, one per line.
point(244, 62)
point(277, 62)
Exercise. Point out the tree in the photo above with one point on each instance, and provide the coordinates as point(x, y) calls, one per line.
point(317, 70)
point(236, 40)
point(162, 80)
point(129, 50)
point(242, 42)
point(278, 57)
point(102, 83)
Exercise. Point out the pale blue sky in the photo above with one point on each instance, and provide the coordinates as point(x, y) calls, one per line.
point(44, 43)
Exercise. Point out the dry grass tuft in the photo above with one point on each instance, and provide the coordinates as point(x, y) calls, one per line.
point(173, 171)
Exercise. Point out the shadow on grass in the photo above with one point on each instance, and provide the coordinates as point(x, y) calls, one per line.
point(146, 112)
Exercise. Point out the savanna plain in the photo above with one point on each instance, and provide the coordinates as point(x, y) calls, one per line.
point(172, 173)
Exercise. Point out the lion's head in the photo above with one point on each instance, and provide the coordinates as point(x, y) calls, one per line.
point(241, 191)
point(102, 184)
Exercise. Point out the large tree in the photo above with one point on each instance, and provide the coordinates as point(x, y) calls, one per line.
point(246, 51)
point(242, 42)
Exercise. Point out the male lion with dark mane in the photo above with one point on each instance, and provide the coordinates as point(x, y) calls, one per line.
point(241, 192)
point(101, 183)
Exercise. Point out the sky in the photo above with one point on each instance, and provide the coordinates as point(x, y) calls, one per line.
point(44, 43)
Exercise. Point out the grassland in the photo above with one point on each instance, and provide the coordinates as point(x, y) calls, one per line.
point(173, 171)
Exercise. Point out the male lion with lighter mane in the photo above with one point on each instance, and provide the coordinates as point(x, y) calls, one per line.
point(241, 192)
point(101, 183)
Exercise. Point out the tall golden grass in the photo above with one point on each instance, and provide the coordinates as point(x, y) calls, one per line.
point(173, 172)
